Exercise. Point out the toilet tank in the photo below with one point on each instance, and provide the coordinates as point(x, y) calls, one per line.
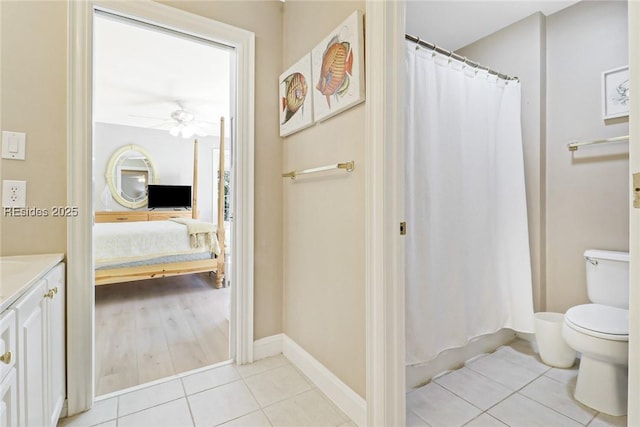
point(608, 277)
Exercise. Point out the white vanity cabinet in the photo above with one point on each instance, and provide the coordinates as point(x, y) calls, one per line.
point(35, 389)
point(8, 381)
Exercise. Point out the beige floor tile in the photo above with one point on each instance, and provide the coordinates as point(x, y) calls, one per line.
point(474, 387)
point(567, 376)
point(523, 359)
point(502, 371)
point(277, 384)
point(254, 419)
point(210, 378)
point(439, 407)
point(112, 423)
point(222, 404)
point(150, 396)
point(102, 411)
point(520, 411)
point(604, 420)
point(310, 409)
point(262, 365)
point(172, 414)
point(415, 421)
point(559, 397)
point(484, 420)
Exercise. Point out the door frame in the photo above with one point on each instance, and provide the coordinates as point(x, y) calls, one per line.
point(80, 275)
point(384, 207)
point(633, 415)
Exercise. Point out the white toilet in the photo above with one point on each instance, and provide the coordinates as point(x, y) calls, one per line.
point(600, 331)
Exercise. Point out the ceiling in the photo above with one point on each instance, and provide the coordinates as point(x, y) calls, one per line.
point(143, 74)
point(453, 24)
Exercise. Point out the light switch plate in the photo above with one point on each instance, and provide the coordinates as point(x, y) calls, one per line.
point(13, 145)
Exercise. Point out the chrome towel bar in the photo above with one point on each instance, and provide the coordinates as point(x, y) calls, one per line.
point(573, 146)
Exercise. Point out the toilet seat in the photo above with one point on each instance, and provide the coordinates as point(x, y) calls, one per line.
point(601, 321)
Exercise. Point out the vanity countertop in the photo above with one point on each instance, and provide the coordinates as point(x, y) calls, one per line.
point(18, 273)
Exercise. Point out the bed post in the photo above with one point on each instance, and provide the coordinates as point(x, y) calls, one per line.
point(194, 195)
point(220, 270)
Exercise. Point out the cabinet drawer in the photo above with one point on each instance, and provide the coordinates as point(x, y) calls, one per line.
point(121, 216)
point(8, 344)
point(165, 215)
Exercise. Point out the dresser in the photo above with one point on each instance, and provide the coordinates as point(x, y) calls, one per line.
point(132, 216)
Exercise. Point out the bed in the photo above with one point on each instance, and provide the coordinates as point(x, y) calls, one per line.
point(149, 248)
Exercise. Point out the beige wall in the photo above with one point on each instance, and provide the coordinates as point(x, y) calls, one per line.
point(519, 50)
point(588, 191)
point(34, 100)
point(324, 293)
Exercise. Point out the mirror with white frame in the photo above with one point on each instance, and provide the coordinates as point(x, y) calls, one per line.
point(129, 171)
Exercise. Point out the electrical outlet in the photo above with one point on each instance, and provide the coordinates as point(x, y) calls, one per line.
point(14, 194)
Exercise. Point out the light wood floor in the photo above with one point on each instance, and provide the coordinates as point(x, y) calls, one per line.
point(152, 329)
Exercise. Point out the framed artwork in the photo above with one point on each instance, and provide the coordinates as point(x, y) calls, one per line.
point(296, 107)
point(338, 69)
point(615, 93)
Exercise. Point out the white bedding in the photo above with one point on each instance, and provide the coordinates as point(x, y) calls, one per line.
point(137, 241)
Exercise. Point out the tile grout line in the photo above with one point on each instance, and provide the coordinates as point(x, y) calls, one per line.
point(186, 397)
point(254, 398)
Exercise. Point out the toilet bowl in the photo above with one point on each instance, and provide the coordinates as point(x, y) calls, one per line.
point(600, 332)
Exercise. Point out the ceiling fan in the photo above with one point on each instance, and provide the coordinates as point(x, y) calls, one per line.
point(182, 123)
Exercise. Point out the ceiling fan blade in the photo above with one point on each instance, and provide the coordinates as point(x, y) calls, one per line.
point(146, 117)
point(167, 123)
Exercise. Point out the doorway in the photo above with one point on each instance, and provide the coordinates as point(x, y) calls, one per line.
point(81, 193)
point(159, 95)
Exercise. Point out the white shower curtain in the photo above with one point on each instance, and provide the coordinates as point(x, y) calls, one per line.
point(468, 269)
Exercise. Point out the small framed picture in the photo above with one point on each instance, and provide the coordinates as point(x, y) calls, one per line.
point(338, 69)
point(615, 93)
point(296, 106)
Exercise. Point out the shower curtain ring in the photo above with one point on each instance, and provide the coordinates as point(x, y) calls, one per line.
point(418, 44)
point(435, 49)
point(450, 55)
point(464, 62)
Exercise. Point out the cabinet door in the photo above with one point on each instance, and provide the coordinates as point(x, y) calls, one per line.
point(55, 339)
point(8, 346)
point(31, 312)
point(9, 400)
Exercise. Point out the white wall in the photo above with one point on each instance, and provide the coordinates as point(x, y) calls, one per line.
point(173, 158)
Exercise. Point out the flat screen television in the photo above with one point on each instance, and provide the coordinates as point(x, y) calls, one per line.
point(169, 196)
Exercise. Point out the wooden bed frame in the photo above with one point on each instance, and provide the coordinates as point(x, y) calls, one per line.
point(154, 271)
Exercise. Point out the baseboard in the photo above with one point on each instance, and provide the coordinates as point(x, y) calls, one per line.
point(267, 346)
point(351, 403)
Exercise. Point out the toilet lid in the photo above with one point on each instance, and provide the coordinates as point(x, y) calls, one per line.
point(600, 319)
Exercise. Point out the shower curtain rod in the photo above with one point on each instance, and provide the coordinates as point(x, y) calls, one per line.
point(457, 57)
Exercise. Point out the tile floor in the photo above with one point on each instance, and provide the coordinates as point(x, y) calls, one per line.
point(508, 387)
point(269, 392)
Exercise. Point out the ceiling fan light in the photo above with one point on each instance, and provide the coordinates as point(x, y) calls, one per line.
point(187, 131)
point(175, 131)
